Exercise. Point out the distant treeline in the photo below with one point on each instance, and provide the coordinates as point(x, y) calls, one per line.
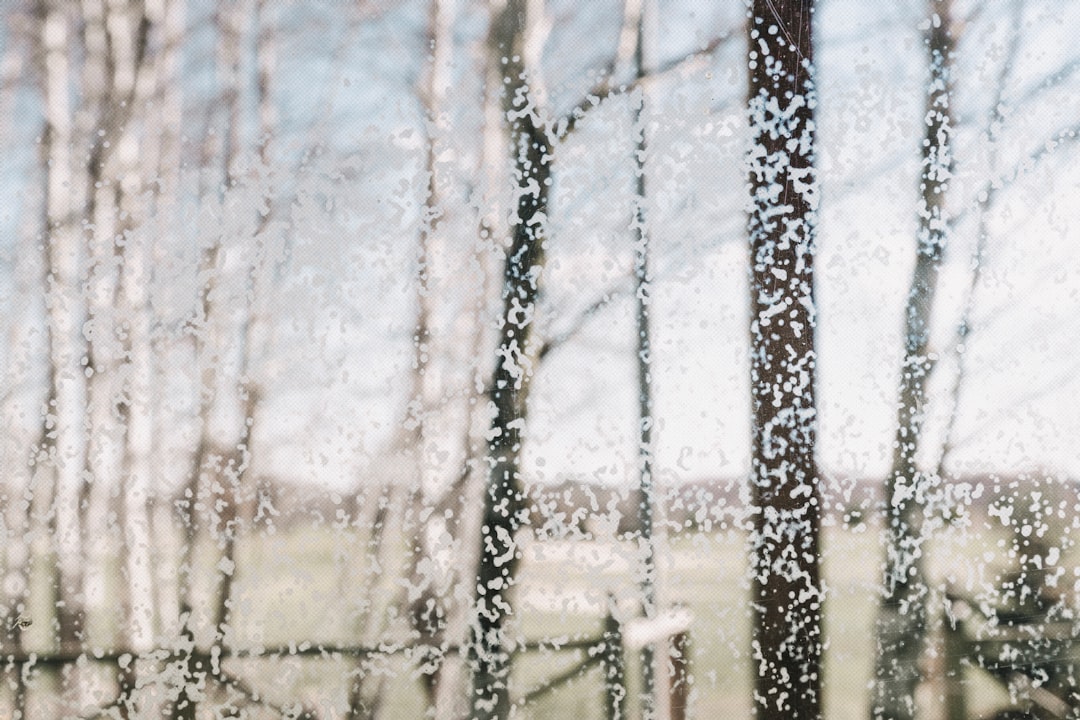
point(583, 510)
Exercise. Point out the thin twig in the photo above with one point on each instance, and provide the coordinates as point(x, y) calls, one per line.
point(963, 328)
point(1052, 80)
point(605, 88)
point(582, 318)
point(561, 679)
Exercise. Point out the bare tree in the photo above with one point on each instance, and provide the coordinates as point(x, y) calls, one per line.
point(636, 19)
point(59, 458)
point(162, 162)
point(516, 39)
point(96, 431)
point(995, 125)
point(230, 335)
point(20, 518)
point(787, 590)
point(426, 606)
point(214, 466)
point(121, 79)
point(238, 506)
point(902, 616)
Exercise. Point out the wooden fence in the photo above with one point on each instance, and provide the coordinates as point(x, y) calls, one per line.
point(189, 664)
point(1036, 658)
point(609, 651)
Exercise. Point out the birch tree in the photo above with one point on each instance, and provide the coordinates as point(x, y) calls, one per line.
point(121, 79)
point(61, 449)
point(96, 274)
point(229, 333)
point(428, 608)
point(787, 589)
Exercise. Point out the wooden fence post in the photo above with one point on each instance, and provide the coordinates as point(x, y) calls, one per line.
point(955, 648)
point(614, 670)
point(679, 696)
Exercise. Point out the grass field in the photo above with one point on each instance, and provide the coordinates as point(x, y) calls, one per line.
point(308, 581)
point(322, 585)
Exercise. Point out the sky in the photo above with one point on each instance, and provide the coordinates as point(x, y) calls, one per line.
point(337, 361)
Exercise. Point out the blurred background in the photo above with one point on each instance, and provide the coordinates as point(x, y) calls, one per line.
point(252, 272)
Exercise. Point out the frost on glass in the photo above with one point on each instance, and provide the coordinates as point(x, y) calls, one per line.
point(462, 359)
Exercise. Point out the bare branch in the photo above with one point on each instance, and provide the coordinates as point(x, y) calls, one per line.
point(605, 88)
point(252, 697)
point(1052, 80)
point(582, 318)
point(576, 325)
point(1065, 136)
point(1054, 384)
point(963, 327)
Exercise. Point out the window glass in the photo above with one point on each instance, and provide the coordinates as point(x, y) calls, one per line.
point(511, 358)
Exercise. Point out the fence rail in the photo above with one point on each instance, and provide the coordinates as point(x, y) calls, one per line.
point(607, 651)
point(1035, 658)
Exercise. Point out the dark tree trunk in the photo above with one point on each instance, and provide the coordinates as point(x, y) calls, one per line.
point(787, 590)
point(503, 506)
point(642, 309)
point(516, 359)
point(902, 617)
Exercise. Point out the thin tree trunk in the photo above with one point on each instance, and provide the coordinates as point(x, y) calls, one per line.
point(426, 609)
point(119, 83)
point(203, 336)
point(28, 474)
point(19, 553)
point(62, 437)
point(986, 201)
point(239, 508)
point(461, 501)
point(902, 616)
point(787, 590)
point(163, 164)
point(140, 158)
point(102, 459)
point(224, 465)
point(642, 310)
point(515, 43)
point(212, 461)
